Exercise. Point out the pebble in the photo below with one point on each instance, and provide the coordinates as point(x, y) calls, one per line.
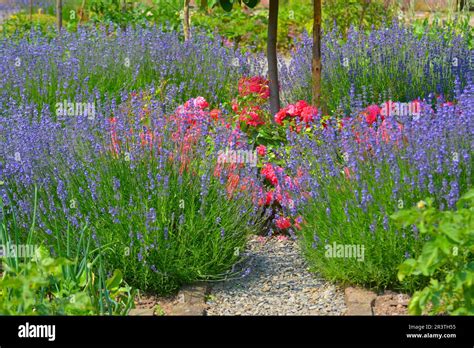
point(279, 284)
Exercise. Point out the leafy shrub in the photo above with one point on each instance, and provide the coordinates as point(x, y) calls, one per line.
point(447, 257)
point(447, 28)
point(39, 287)
point(20, 25)
point(361, 14)
point(122, 13)
point(248, 28)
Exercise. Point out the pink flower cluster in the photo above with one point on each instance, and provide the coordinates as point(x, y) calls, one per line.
point(300, 111)
point(255, 85)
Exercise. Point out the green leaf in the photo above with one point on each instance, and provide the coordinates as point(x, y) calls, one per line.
point(452, 231)
point(227, 5)
point(405, 217)
point(469, 196)
point(406, 268)
point(429, 258)
point(41, 253)
point(444, 245)
point(414, 307)
point(115, 280)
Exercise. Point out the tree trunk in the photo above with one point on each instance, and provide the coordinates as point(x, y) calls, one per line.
point(272, 57)
point(186, 20)
point(362, 16)
point(124, 12)
point(204, 5)
point(83, 11)
point(59, 14)
point(316, 61)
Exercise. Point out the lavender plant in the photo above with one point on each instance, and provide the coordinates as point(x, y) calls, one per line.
point(90, 64)
point(358, 176)
point(393, 63)
point(145, 183)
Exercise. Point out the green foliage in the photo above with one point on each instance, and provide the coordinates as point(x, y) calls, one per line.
point(447, 257)
point(228, 4)
point(168, 13)
point(249, 28)
point(130, 12)
point(40, 287)
point(239, 26)
point(447, 28)
point(361, 14)
point(20, 24)
point(40, 284)
point(45, 286)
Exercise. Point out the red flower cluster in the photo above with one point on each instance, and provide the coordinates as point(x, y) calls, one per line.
point(251, 116)
point(299, 111)
point(256, 85)
point(371, 113)
point(261, 150)
point(283, 223)
point(253, 92)
point(269, 173)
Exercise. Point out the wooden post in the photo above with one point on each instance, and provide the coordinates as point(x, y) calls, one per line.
point(316, 61)
point(59, 14)
point(186, 20)
point(272, 57)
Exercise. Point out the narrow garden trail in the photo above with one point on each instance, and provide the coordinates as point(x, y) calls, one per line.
point(276, 281)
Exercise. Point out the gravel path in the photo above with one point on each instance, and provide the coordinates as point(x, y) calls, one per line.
point(277, 283)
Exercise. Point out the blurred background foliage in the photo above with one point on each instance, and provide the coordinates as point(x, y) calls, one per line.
point(243, 28)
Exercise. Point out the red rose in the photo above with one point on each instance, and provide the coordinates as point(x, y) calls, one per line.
point(280, 116)
point(269, 173)
point(254, 85)
point(215, 114)
point(283, 223)
point(308, 114)
point(292, 110)
point(261, 150)
point(300, 105)
point(371, 113)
